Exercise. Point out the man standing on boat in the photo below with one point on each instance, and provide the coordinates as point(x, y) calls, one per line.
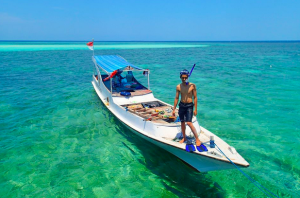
point(187, 91)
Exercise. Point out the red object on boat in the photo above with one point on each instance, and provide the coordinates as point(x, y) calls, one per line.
point(90, 45)
point(111, 75)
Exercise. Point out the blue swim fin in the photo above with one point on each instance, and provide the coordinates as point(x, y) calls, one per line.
point(201, 148)
point(190, 148)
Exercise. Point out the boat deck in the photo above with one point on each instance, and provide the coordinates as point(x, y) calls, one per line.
point(160, 114)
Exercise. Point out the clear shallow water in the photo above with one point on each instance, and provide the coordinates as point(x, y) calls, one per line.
point(34, 46)
point(57, 139)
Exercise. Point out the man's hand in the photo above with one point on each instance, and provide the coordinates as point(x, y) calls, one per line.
point(195, 112)
point(173, 113)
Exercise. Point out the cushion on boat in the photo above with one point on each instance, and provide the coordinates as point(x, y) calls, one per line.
point(125, 93)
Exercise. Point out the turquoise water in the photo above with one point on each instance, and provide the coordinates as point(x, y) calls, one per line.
point(34, 46)
point(58, 140)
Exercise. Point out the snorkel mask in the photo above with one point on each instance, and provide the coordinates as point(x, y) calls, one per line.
point(184, 72)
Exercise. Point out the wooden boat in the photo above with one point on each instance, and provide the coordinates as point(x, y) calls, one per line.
point(148, 117)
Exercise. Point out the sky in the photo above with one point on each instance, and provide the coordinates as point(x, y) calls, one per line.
point(155, 20)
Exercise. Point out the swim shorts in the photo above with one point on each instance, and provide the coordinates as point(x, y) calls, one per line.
point(185, 111)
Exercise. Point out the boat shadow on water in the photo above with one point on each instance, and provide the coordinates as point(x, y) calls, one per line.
point(177, 177)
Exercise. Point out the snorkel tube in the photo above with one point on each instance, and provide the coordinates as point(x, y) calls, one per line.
point(192, 69)
point(187, 81)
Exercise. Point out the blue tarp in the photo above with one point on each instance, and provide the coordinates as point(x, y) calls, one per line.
point(111, 63)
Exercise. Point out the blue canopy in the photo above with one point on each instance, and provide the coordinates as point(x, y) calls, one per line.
point(111, 63)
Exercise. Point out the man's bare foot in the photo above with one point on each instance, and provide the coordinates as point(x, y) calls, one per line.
point(181, 141)
point(198, 143)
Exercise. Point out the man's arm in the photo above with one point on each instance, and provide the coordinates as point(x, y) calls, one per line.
point(195, 99)
point(176, 99)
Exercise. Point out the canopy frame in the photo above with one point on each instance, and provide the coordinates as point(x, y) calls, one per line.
point(128, 66)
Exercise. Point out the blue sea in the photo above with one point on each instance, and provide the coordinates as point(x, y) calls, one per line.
point(57, 139)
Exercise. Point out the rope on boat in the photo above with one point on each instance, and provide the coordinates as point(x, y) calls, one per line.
point(258, 185)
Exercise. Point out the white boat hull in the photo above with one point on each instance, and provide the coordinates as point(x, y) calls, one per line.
point(198, 162)
point(203, 162)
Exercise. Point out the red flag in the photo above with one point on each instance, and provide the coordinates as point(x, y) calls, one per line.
point(90, 45)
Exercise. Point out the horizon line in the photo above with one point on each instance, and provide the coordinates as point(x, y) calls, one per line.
point(149, 41)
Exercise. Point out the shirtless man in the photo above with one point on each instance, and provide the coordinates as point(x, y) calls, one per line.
point(187, 91)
